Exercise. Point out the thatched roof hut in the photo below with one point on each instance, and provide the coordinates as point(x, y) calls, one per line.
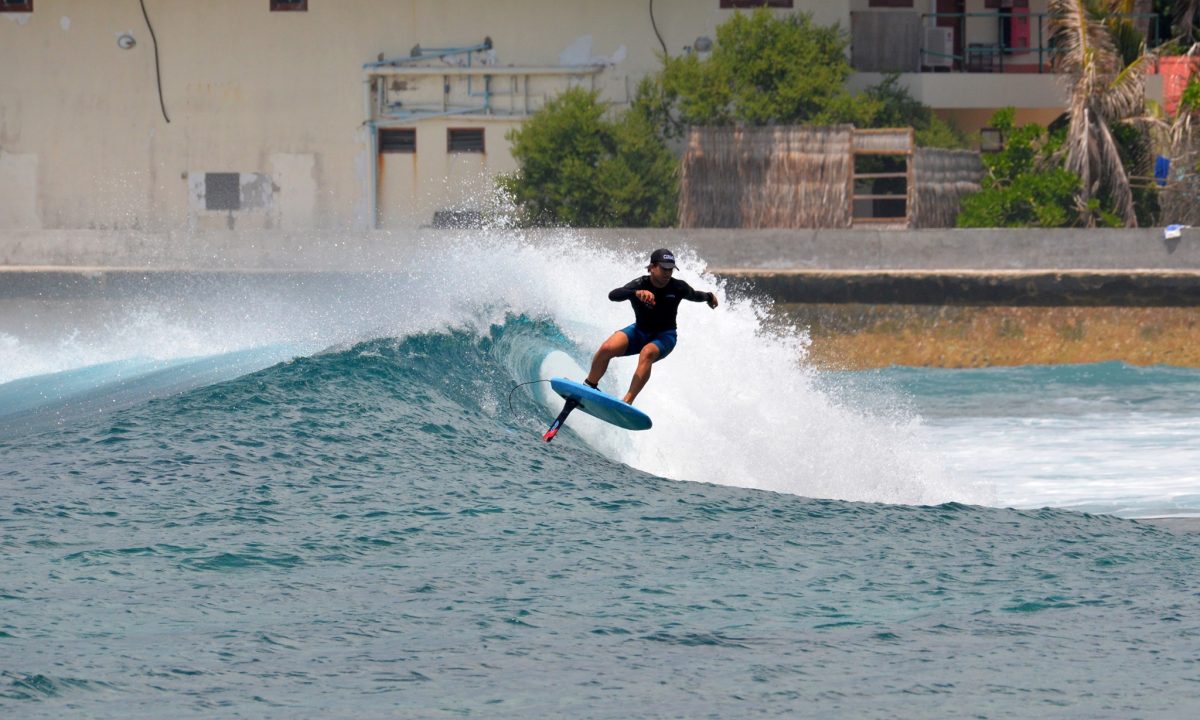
point(942, 178)
point(766, 177)
point(805, 177)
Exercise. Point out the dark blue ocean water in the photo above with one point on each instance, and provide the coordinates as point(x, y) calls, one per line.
point(320, 497)
point(369, 532)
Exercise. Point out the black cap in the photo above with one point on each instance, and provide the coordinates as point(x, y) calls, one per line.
point(663, 258)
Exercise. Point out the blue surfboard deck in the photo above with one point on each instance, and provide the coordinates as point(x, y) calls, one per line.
point(601, 405)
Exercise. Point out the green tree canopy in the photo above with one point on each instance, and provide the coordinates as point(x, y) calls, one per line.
point(765, 70)
point(771, 70)
point(579, 168)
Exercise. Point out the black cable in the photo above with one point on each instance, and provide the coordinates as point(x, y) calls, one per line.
point(514, 389)
point(157, 72)
point(655, 26)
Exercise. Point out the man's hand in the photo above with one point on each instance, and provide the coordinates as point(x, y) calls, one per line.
point(712, 300)
point(645, 296)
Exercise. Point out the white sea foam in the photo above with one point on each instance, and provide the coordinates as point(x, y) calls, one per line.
point(734, 404)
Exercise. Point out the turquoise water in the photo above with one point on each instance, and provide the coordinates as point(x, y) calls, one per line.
point(371, 527)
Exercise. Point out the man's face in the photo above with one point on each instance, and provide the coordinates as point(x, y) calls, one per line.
point(659, 275)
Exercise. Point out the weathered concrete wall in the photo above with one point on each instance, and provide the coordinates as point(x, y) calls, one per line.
point(952, 249)
point(84, 144)
point(868, 298)
point(723, 250)
point(1022, 288)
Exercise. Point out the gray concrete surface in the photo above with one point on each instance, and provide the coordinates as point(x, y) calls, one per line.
point(931, 250)
point(969, 267)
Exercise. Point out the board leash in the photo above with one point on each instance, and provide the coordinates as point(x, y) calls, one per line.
point(511, 409)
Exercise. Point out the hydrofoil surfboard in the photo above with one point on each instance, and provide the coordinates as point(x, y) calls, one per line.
point(597, 404)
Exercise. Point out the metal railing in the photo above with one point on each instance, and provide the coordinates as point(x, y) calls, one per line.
point(990, 57)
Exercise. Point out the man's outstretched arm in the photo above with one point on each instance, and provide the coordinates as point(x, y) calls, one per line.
point(702, 296)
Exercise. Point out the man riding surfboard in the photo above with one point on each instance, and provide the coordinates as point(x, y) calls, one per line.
point(655, 298)
point(652, 336)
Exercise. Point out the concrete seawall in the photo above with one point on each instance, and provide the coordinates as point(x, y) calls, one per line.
point(952, 298)
point(980, 267)
point(1020, 288)
point(859, 250)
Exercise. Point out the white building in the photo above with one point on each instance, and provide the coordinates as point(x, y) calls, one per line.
point(341, 114)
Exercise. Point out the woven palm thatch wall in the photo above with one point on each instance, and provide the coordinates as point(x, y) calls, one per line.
point(800, 177)
point(767, 177)
point(941, 179)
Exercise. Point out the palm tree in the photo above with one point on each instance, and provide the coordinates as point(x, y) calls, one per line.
point(1104, 89)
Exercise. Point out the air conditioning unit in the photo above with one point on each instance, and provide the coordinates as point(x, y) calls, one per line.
point(938, 49)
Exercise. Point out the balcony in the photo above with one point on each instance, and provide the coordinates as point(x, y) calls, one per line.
point(1010, 40)
point(944, 58)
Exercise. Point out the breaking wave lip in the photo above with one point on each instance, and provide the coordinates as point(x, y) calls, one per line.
point(685, 444)
point(735, 404)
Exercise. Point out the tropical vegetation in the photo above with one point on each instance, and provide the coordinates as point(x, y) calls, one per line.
point(1109, 133)
point(1025, 184)
point(766, 70)
point(1106, 88)
point(583, 169)
point(581, 163)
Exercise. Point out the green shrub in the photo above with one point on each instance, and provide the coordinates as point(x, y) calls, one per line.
point(1024, 185)
point(578, 168)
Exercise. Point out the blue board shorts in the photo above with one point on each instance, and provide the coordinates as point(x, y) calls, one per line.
point(639, 339)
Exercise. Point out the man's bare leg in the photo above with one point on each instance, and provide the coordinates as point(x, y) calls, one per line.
point(646, 358)
point(614, 346)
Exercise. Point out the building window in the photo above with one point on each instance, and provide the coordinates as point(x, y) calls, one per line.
point(398, 140)
point(728, 4)
point(464, 140)
point(286, 5)
point(891, 3)
point(16, 5)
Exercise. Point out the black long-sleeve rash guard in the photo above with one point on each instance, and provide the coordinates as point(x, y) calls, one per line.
point(666, 302)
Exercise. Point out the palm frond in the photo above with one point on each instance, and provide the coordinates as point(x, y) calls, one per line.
point(1114, 172)
point(1105, 86)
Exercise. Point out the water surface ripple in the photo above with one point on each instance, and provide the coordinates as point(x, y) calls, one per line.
point(369, 532)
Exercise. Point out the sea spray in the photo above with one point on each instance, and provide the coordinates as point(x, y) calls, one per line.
point(734, 404)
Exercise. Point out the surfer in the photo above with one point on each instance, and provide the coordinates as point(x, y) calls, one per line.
point(655, 298)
